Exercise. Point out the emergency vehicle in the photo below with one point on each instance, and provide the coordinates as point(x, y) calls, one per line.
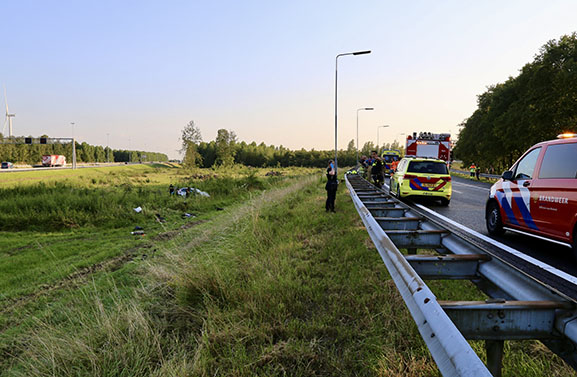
point(53, 160)
point(391, 158)
point(427, 144)
point(424, 177)
point(538, 195)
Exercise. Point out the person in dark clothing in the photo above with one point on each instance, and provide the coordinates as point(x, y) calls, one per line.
point(171, 189)
point(377, 170)
point(331, 187)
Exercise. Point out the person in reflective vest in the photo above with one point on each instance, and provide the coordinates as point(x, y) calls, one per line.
point(472, 170)
point(394, 165)
point(377, 172)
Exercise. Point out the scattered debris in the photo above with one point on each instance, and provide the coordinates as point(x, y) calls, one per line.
point(138, 209)
point(138, 228)
point(185, 215)
point(273, 173)
point(185, 191)
point(219, 209)
point(201, 193)
point(138, 233)
point(159, 218)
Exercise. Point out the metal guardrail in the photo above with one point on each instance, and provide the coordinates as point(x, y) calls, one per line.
point(484, 175)
point(521, 306)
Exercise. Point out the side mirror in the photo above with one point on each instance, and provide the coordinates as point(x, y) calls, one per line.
point(507, 176)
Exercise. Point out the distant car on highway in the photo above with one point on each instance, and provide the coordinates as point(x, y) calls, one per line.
point(538, 195)
point(424, 177)
point(7, 165)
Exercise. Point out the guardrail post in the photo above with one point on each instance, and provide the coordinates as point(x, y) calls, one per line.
point(494, 350)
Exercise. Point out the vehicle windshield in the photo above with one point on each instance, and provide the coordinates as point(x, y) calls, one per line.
point(390, 158)
point(427, 167)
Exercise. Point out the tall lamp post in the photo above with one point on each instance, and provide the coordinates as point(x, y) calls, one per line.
point(361, 109)
point(378, 128)
point(73, 147)
point(336, 102)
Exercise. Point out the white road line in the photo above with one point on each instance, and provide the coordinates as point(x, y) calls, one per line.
point(563, 275)
point(465, 184)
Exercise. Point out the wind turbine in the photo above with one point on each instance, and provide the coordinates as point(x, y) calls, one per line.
point(8, 117)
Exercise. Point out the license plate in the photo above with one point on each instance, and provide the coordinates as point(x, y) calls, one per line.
point(429, 185)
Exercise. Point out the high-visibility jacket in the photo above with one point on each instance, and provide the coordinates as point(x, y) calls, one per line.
point(472, 168)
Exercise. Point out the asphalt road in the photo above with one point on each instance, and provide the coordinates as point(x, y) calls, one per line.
point(68, 166)
point(468, 208)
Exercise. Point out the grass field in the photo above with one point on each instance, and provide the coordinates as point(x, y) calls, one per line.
point(270, 286)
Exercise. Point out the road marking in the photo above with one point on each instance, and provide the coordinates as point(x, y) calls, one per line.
point(563, 275)
point(473, 186)
point(537, 236)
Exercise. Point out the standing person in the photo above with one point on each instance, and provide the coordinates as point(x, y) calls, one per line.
point(377, 172)
point(331, 187)
point(472, 170)
point(477, 172)
point(394, 165)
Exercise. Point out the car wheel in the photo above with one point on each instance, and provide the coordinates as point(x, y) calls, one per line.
point(445, 202)
point(493, 218)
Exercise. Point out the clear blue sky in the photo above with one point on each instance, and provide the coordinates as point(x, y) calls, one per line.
point(140, 70)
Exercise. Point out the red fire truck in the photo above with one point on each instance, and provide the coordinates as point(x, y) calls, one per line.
point(427, 144)
point(53, 160)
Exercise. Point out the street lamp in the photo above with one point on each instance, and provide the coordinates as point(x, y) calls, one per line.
point(336, 102)
point(378, 128)
point(108, 148)
point(362, 108)
point(73, 147)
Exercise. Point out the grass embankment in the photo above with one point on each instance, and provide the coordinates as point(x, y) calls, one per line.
point(274, 286)
point(44, 260)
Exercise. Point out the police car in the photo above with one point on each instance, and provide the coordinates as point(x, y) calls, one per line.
point(538, 195)
point(424, 177)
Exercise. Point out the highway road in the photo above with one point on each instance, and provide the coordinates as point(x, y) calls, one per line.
point(468, 208)
point(69, 166)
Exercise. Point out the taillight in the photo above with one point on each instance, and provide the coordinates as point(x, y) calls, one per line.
point(448, 179)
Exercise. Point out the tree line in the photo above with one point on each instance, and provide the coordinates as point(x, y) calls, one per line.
point(536, 105)
point(226, 150)
point(14, 150)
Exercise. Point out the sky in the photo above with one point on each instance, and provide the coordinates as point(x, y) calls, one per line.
point(134, 73)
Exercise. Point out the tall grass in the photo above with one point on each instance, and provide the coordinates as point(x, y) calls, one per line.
point(60, 205)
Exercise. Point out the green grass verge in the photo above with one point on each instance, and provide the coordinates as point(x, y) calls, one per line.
point(274, 286)
point(42, 267)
